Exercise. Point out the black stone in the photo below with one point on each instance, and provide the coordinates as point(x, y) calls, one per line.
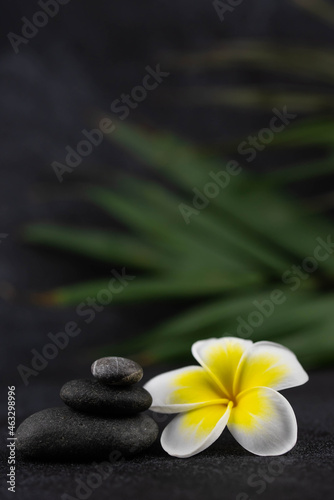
point(117, 371)
point(89, 396)
point(60, 434)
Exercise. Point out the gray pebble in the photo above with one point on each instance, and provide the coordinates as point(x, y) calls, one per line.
point(117, 371)
point(60, 434)
point(89, 396)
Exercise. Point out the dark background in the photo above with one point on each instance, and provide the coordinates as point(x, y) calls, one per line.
point(88, 55)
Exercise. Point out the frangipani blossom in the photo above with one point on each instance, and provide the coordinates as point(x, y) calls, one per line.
point(235, 386)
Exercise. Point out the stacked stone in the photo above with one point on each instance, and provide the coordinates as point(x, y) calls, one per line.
point(103, 416)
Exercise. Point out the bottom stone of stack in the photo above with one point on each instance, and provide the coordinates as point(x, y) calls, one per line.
point(61, 434)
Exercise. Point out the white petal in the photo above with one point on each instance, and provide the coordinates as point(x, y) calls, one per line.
point(183, 390)
point(221, 357)
point(192, 432)
point(269, 364)
point(263, 422)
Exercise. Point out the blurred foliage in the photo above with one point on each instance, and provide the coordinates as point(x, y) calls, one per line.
point(234, 252)
point(302, 77)
point(322, 9)
point(239, 248)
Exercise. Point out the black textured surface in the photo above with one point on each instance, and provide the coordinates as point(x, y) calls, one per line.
point(224, 471)
point(60, 434)
point(89, 396)
point(117, 371)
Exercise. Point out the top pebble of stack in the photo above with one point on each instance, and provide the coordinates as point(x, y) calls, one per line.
point(117, 371)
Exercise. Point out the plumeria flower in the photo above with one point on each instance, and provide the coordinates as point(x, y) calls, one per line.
point(235, 386)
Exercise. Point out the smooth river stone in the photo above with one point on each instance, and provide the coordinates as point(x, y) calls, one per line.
point(60, 434)
point(89, 396)
point(117, 371)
